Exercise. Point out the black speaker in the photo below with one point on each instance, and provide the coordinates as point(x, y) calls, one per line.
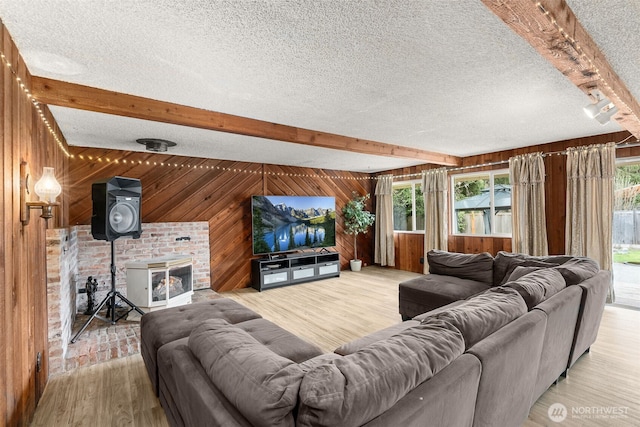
point(116, 208)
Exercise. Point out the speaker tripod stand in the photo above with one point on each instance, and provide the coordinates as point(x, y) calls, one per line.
point(110, 299)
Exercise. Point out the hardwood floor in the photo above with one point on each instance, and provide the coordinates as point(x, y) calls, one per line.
point(331, 312)
point(114, 393)
point(604, 381)
point(602, 389)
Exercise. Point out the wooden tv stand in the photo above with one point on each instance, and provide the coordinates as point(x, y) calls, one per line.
point(267, 273)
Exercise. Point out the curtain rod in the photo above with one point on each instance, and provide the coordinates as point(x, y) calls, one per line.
point(621, 144)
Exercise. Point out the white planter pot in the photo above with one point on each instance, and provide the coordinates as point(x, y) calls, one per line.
point(355, 264)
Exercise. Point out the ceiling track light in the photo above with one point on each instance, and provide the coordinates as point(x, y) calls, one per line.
point(605, 116)
point(602, 109)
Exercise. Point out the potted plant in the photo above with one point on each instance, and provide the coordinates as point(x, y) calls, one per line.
point(357, 220)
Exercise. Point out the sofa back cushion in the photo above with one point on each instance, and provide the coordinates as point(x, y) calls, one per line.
point(353, 389)
point(505, 263)
point(538, 285)
point(262, 385)
point(483, 314)
point(578, 269)
point(478, 267)
point(520, 271)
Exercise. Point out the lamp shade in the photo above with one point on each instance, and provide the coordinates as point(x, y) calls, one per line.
point(47, 188)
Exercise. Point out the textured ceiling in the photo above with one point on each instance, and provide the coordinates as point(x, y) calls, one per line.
point(444, 76)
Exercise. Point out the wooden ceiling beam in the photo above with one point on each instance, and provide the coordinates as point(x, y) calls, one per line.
point(63, 94)
point(552, 28)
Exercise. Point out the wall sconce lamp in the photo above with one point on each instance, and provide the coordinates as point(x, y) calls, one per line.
point(47, 188)
point(602, 110)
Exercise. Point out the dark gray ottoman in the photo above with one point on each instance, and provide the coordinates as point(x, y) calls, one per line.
point(160, 327)
point(431, 291)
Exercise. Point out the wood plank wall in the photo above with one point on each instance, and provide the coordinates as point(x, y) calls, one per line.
point(217, 191)
point(178, 193)
point(23, 288)
point(409, 247)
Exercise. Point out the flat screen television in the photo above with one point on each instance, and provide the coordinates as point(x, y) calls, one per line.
point(292, 223)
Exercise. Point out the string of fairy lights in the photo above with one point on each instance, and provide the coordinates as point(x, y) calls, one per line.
point(174, 164)
point(99, 159)
point(35, 104)
point(574, 43)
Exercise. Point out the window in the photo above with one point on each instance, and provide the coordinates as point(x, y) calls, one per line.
point(408, 206)
point(482, 203)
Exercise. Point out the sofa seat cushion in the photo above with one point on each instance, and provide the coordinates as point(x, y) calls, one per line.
point(261, 384)
point(432, 291)
point(354, 389)
point(538, 285)
point(168, 325)
point(483, 314)
point(280, 341)
point(478, 267)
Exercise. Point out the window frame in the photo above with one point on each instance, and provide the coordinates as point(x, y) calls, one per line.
point(409, 183)
point(453, 220)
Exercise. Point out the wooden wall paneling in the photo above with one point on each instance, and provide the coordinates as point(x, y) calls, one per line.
point(191, 187)
point(23, 295)
point(170, 190)
point(27, 273)
point(219, 195)
point(7, 406)
point(555, 202)
point(409, 249)
point(230, 229)
point(623, 153)
point(19, 309)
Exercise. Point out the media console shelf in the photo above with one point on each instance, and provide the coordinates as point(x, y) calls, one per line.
point(269, 273)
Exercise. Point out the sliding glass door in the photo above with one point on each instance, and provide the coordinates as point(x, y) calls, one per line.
point(626, 234)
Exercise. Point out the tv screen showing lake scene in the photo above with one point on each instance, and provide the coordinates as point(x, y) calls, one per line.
point(291, 223)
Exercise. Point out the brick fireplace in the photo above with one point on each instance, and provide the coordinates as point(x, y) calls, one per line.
point(73, 255)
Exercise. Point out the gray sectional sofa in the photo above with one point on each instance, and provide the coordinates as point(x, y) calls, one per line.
point(478, 360)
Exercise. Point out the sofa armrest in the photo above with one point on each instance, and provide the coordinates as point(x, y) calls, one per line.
point(594, 297)
point(447, 399)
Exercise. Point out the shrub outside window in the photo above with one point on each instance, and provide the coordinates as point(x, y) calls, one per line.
point(481, 204)
point(408, 206)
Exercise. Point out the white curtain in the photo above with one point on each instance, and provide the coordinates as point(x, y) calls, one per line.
point(384, 246)
point(528, 219)
point(590, 198)
point(434, 188)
